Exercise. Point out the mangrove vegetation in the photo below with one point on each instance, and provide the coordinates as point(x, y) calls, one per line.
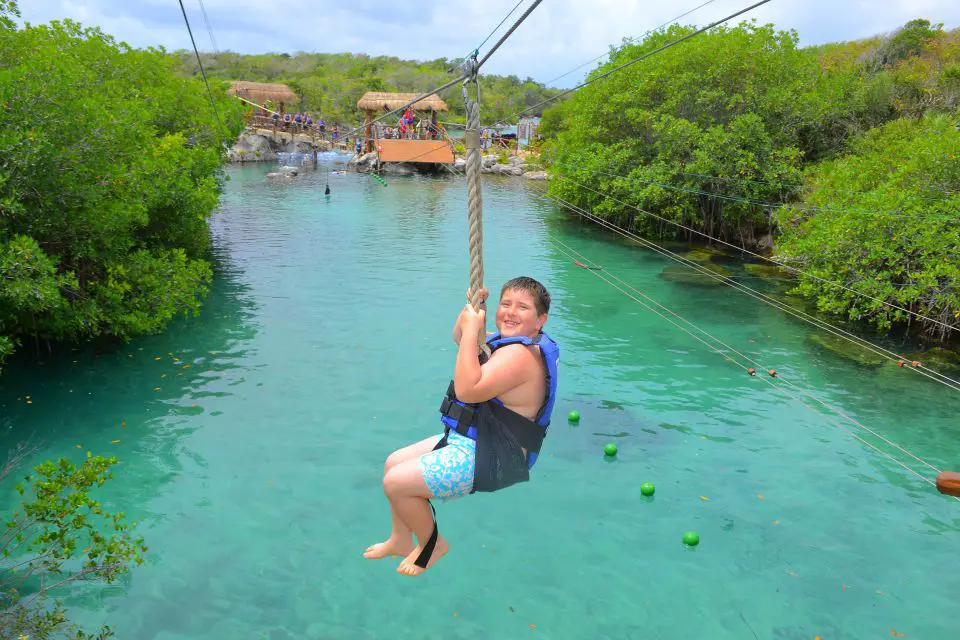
point(838, 160)
point(110, 165)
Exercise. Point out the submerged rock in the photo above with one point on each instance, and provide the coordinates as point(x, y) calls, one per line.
point(945, 361)
point(687, 275)
point(845, 348)
point(702, 254)
point(768, 271)
point(284, 172)
point(795, 302)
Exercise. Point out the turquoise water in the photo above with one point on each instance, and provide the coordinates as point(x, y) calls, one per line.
point(325, 344)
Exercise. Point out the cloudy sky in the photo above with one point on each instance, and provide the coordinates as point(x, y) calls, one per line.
point(557, 37)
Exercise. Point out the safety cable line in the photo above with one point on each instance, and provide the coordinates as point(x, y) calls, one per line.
point(213, 40)
point(464, 75)
point(698, 338)
point(893, 356)
point(788, 394)
point(509, 32)
point(489, 35)
point(743, 249)
point(713, 348)
point(422, 96)
point(777, 205)
point(630, 41)
point(800, 389)
point(817, 322)
point(642, 57)
point(202, 72)
point(586, 260)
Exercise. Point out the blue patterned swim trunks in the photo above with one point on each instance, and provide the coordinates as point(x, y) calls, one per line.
point(448, 472)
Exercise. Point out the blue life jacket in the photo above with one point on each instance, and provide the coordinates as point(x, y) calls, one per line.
point(461, 416)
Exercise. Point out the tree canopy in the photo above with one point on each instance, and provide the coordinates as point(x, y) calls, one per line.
point(329, 84)
point(110, 165)
point(719, 133)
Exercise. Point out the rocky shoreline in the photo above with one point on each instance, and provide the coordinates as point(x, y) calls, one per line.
point(516, 166)
point(261, 145)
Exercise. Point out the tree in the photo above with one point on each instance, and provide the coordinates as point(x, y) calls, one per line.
point(110, 166)
point(883, 220)
point(58, 536)
point(668, 136)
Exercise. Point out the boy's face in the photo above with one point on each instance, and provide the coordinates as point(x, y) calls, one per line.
point(517, 315)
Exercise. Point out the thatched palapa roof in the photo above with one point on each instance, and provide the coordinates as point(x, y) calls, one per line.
point(377, 100)
point(260, 92)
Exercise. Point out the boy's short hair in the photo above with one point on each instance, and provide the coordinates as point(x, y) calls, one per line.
point(541, 297)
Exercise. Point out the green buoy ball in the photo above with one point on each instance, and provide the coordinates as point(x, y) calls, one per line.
point(691, 539)
point(573, 416)
point(647, 489)
point(610, 450)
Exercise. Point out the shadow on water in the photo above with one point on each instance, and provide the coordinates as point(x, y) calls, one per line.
point(139, 401)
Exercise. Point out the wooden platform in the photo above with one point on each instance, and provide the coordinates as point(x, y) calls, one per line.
point(432, 151)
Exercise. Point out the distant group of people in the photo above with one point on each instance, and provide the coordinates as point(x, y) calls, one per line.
point(300, 122)
point(408, 128)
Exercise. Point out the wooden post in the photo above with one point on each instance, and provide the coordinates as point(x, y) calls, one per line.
point(368, 131)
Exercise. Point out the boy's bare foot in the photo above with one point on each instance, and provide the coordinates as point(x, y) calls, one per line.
point(408, 568)
point(389, 547)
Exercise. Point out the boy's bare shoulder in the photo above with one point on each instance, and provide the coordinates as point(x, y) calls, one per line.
point(520, 356)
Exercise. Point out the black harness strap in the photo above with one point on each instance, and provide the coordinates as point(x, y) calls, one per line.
point(424, 558)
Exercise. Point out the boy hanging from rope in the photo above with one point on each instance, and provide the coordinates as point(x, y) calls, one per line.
point(495, 416)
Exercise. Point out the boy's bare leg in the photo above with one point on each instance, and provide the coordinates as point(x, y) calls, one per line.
point(400, 542)
point(409, 492)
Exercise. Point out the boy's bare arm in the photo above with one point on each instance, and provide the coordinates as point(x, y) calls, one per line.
point(507, 369)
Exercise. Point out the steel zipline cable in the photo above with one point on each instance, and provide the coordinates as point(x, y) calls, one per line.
point(630, 41)
point(642, 57)
point(801, 315)
point(203, 73)
point(574, 255)
point(757, 255)
point(206, 20)
point(496, 28)
point(714, 344)
point(463, 76)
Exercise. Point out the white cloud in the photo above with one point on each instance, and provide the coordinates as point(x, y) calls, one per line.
point(558, 35)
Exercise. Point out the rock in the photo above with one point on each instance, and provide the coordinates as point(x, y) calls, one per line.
point(687, 275)
point(261, 145)
point(535, 175)
point(846, 349)
point(768, 271)
point(488, 161)
point(398, 168)
point(797, 303)
point(363, 163)
point(765, 243)
point(702, 254)
point(285, 172)
point(460, 163)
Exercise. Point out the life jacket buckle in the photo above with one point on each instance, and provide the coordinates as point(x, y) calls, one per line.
point(463, 415)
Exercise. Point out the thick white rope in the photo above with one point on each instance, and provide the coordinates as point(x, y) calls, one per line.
point(474, 198)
